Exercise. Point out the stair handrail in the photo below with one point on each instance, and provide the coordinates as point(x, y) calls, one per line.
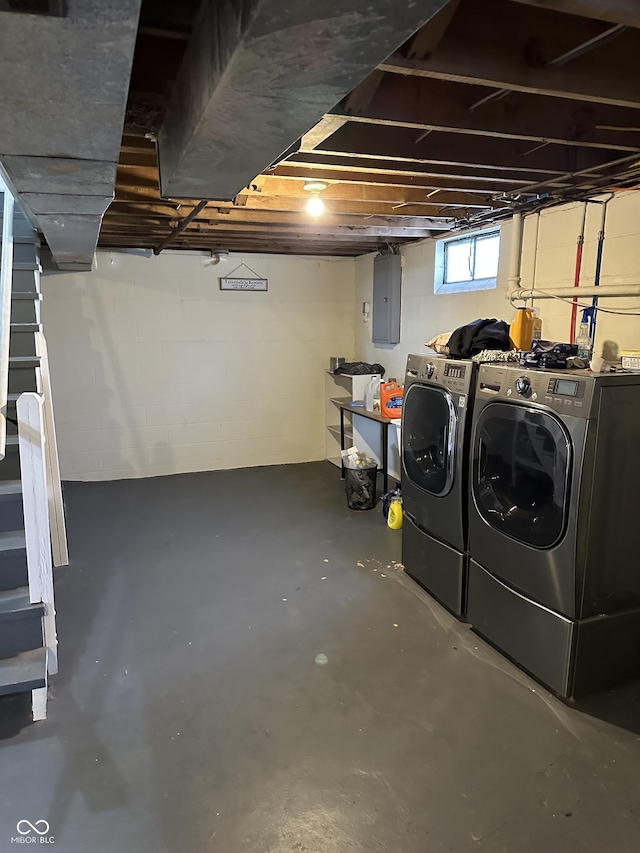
point(6, 272)
point(35, 506)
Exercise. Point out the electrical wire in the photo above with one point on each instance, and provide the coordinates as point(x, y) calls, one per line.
point(633, 311)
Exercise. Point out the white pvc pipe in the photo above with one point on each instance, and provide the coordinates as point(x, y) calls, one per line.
point(515, 256)
point(616, 290)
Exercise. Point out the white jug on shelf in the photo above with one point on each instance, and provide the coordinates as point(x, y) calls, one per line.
point(371, 392)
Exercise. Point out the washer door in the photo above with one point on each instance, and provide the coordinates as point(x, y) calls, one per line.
point(521, 473)
point(428, 438)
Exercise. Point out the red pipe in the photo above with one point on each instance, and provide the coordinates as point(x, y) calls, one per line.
point(576, 282)
point(576, 278)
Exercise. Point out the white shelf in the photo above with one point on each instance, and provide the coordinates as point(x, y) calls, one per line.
point(340, 389)
point(335, 430)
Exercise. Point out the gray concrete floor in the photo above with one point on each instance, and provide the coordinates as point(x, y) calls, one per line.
point(243, 668)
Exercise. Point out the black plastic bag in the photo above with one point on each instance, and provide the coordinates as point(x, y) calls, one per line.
point(359, 368)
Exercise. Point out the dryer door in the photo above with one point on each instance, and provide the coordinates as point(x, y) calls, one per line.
point(428, 438)
point(521, 473)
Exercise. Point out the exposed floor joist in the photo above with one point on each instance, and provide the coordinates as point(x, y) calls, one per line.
point(469, 117)
point(616, 11)
point(513, 52)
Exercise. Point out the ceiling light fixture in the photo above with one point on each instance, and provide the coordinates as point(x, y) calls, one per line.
point(315, 205)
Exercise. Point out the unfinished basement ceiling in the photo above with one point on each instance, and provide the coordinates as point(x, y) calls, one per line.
point(65, 70)
point(491, 105)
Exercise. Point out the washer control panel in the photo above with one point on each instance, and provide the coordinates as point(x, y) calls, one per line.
point(569, 392)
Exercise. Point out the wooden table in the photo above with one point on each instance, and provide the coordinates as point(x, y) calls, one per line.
point(384, 435)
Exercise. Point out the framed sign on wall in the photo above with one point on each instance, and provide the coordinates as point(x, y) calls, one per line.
point(235, 282)
point(232, 283)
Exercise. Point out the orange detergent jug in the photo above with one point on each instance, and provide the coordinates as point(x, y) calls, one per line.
point(390, 400)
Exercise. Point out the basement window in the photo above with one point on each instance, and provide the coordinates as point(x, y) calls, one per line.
point(467, 263)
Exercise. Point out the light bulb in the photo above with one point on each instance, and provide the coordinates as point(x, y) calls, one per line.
point(315, 206)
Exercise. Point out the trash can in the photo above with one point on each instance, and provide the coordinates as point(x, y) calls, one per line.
point(360, 483)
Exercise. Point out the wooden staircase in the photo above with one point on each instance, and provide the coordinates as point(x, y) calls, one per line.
point(28, 644)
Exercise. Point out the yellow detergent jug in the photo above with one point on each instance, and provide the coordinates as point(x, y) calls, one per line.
point(521, 330)
point(394, 519)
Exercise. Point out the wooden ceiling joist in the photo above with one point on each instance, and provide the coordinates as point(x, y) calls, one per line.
point(241, 216)
point(424, 103)
point(514, 51)
point(352, 175)
point(616, 11)
point(494, 100)
point(451, 149)
point(403, 166)
point(234, 229)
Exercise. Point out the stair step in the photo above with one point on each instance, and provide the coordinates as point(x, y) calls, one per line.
point(31, 238)
point(25, 307)
point(15, 603)
point(12, 540)
point(26, 265)
point(24, 361)
point(23, 375)
point(10, 470)
point(26, 327)
point(25, 281)
point(20, 622)
point(13, 560)
point(9, 489)
point(25, 671)
point(22, 341)
point(11, 511)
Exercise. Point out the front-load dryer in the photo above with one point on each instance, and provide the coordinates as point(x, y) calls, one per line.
point(554, 579)
point(434, 464)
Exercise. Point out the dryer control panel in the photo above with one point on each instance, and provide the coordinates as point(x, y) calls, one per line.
point(567, 392)
point(457, 375)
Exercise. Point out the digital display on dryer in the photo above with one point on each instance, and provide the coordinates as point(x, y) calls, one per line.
point(455, 371)
point(568, 387)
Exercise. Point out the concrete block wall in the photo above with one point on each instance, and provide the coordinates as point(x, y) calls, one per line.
point(548, 260)
point(553, 265)
point(156, 371)
point(425, 314)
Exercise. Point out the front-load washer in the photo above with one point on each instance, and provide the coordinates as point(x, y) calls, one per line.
point(554, 579)
point(434, 472)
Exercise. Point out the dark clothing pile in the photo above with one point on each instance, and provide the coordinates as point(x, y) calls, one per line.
point(480, 335)
point(359, 368)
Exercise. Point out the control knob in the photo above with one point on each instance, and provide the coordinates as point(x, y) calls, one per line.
point(428, 369)
point(523, 385)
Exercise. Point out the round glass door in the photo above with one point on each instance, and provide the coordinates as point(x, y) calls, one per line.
point(521, 472)
point(428, 434)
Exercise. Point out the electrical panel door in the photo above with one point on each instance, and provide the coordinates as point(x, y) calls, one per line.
point(387, 282)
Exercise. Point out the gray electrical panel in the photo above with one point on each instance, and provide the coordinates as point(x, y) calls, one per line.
point(387, 285)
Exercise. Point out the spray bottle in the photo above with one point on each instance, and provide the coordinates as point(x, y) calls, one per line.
point(584, 342)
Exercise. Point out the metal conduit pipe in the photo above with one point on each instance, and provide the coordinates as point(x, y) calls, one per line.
point(6, 271)
point(515, 255)
point(613, 290)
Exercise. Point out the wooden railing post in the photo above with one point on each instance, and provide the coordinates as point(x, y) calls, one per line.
point(36, 516)
point(54, 485)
